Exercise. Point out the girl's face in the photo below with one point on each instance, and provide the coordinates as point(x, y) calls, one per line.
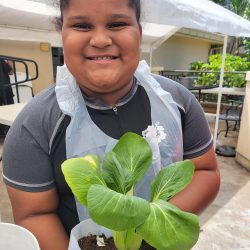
point(101, 41)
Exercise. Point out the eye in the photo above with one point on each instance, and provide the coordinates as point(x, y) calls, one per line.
point(82, 26)
point(117, 25)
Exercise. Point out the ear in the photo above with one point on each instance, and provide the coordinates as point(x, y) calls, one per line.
point(140, 29)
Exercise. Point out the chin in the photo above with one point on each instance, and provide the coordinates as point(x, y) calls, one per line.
point(104, 86)
point(105, 81)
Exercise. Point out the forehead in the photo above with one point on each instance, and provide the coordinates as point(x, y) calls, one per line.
point(90, 6)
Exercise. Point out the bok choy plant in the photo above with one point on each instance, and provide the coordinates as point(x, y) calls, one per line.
point(107, 191)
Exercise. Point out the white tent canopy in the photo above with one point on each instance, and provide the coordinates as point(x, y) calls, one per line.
point(196, 14)
point(26, 20)
point(155, 34)
point(31, 20)
point(161, 19)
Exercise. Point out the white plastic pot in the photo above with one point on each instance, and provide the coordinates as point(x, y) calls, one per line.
point(13, 237)
point(85, 228)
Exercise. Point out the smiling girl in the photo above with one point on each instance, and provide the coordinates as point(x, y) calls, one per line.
point(101, 93)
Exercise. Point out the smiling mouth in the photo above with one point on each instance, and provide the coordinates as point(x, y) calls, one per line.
point(99, 58)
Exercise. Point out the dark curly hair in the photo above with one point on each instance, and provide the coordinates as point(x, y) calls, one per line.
point(63, 4)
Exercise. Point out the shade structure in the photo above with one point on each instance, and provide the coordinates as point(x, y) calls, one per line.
point(196, 14)
point(201, 15)
point(24, 20)
point(161, 19)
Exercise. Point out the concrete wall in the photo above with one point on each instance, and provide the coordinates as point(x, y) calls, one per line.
point(178, 52)
point(242, 149)
point(31, 50)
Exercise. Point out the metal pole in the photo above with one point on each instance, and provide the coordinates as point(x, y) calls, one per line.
point(151, 55)
point(220, 89)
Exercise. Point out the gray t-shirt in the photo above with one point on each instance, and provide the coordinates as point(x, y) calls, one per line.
point(26, 156)
point(30, 165)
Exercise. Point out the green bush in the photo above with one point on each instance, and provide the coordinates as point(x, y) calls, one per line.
point(232, 64)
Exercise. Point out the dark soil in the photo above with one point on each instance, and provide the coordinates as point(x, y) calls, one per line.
point(89, 243)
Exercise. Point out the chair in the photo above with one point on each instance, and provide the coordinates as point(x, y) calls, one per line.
point(19, 79)
point(232, 114)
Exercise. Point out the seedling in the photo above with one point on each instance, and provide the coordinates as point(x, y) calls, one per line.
point(107, 190)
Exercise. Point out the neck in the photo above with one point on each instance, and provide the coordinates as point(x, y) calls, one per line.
point(111, 98)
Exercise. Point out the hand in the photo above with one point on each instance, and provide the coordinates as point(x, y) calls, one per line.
point(204, 186)
point(36, 212)
point(10, 63)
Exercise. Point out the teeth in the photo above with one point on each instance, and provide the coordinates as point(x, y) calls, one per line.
point(103, 58)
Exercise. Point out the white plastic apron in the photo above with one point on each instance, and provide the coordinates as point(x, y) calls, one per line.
point(84, 137)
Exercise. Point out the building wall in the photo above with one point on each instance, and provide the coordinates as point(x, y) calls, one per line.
point(178, 52)
point(175, 54)
point(242, 149)
point(31, 50)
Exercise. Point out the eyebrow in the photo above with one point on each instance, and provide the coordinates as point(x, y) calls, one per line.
point(86, 18)
point(115, 16)
point(72, 18)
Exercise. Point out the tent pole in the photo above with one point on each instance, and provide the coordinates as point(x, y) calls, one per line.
point(220, 89)
point(150, 57)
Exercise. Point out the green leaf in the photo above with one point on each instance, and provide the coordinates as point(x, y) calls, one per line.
point(114, 210)
point(169, 228)
point(134, 156)
point(171, 180)
point(117, 177)
point(80, 173)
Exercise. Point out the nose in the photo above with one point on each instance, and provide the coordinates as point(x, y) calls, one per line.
point(100, 39)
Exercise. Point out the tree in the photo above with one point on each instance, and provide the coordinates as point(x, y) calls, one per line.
point(220, 2)
point(241, 8)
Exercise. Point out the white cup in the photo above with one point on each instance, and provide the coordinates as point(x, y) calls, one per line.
point(85, 228)
point(13, 237)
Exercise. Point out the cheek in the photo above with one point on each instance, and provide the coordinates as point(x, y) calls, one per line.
point(131, 49)
point(73, 50)
point(72, 43)
point(130, 46)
